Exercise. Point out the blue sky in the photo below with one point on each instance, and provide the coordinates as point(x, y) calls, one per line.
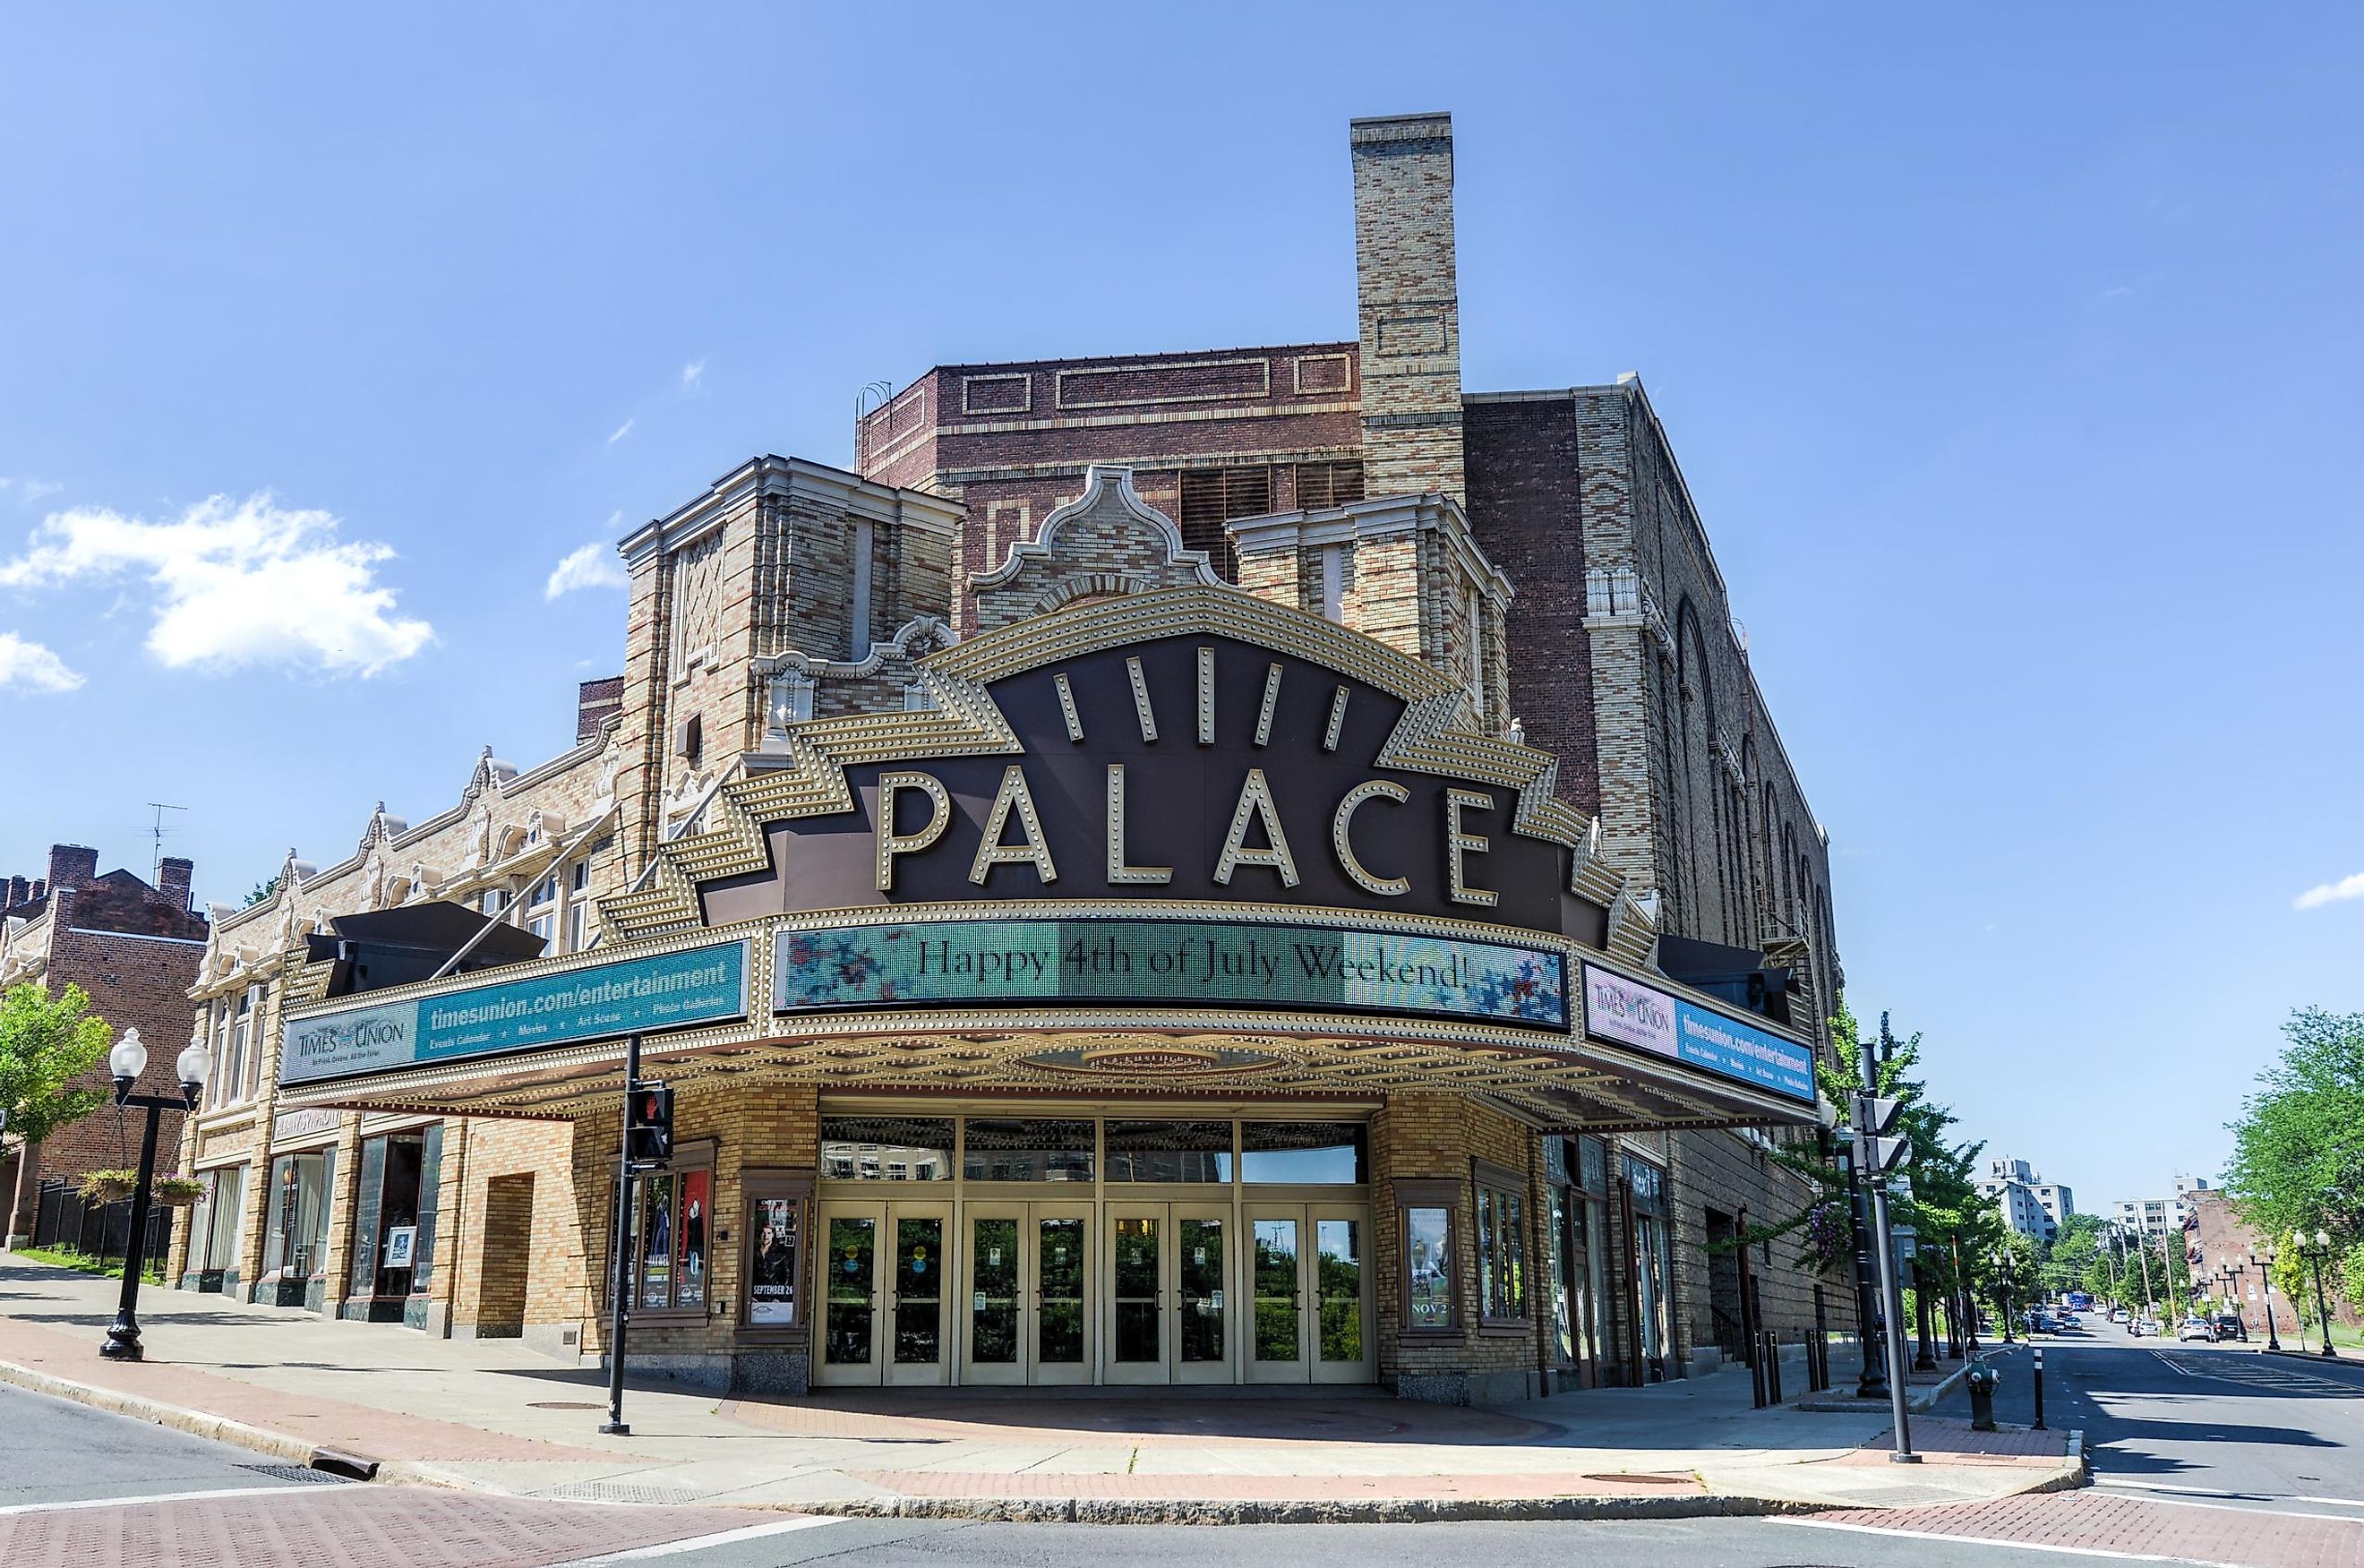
point(2012, 358)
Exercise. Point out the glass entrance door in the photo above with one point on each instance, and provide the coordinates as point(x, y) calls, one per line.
point(1173, 1311)
point(1277, 1326)
point(1308, 1276)
point(918, 1353)
point(849, 1293)
point(1140, 1343)
point(1023, 1301)
point(884, 1307)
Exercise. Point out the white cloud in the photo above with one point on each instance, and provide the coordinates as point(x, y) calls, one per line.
point(593, 566)
point(690, 373)
point(622, 431)
point(2338, 892)
point(30, 490)
point(29, 667)
point(237, 583)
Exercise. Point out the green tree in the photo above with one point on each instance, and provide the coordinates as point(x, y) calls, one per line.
point(2298, 1145)
point(261, 891)
point(1945, 1208)
point(46, 1043)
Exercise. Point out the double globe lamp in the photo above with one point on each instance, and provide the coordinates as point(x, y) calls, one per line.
point(125, 1064)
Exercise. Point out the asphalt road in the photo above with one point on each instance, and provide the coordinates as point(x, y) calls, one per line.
point(55, 1451)
point(2221, 1423)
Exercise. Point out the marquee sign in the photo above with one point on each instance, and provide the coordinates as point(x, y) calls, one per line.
point(1165, 963)
point(1619, 1008)
point(662, 991)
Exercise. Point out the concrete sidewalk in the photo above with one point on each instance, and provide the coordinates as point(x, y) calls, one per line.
point(494, 1416)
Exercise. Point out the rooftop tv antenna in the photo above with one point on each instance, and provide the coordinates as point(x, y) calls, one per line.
point(156, 833)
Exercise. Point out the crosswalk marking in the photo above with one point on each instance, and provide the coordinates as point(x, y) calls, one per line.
point(2258, 1375)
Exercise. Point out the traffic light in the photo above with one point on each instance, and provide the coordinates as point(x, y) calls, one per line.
point(1877, 1150)
point(648, 1125)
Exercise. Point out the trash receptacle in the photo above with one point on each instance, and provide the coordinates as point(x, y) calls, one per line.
point(1981, 1379)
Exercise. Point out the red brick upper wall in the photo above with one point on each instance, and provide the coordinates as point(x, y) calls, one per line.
point(958, 422)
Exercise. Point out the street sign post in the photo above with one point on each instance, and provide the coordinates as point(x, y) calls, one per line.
point(1878, 1150)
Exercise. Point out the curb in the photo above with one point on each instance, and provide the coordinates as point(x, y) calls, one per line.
point(1368, 1510)
point(1007, 1510)
point(220, 1429)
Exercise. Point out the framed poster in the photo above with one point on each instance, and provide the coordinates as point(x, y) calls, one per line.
point(399, 1240)
point(775, 1265)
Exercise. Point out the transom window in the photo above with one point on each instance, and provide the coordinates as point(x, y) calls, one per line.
point(1085, 1149)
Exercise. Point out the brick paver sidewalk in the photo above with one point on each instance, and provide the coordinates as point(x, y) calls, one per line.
point(2113, 1522)
point(343, 1527)
point(363, 1429)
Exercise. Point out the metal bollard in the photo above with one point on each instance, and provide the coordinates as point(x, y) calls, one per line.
point(1773, 1366)
point(2039, 1390)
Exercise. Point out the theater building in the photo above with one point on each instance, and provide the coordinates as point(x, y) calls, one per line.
point(1096, 889)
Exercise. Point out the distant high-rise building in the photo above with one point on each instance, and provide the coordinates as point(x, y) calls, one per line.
point(2028, 1204)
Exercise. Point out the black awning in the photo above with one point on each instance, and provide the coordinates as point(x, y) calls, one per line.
point(395, 946)
point(1737, 976)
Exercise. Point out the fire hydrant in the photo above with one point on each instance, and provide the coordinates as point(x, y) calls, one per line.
point(1981, 1380)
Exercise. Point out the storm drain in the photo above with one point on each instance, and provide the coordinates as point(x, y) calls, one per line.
point(617, 1492)
point(562, 1405)
point(294, 1473)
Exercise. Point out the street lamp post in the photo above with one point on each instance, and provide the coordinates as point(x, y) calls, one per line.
point(2265, 1264)
point(125, 1062)
point(2314, 1250)
point(2003, 1294)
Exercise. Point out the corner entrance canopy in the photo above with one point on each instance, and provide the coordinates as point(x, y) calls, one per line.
point(1187, 841)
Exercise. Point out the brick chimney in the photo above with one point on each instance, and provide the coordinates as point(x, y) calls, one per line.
point(595, 702)
point(71, 866)
point(172, 880)
point(1409, 301)
point(15, 893)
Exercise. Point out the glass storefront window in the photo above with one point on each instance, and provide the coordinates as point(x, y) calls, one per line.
point(1169, 1151)
point(1428, 1268)
point(1502, 1255)
point(672, 1221)
point(294, 1247)
point(1304, 1154)
point(886, 1149)
point(1014, 1150)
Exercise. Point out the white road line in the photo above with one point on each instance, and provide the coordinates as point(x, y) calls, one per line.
point(702, 1542)
point(2221, 1492)
point(2237, 1508)
point(134, 1502)
point(1930, 1536)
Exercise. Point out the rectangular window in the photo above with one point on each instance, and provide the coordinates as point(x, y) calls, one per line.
point(1502, 1255)
point(1303, 1153)
point(672, 1215)
point(1325, 484)
point(579, 879)
point(1213, 496)
point(578, 925)
point(886, 1148)
point(1169, 1151)
point(1014, 1150)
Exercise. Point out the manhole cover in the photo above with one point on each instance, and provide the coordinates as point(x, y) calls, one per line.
point(562, 1405)
point(1639, 1480)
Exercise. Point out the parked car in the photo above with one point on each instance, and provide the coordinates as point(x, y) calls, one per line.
point(2148, 1325)
point(2196, 1329)
point(2230, 1326)
point(2120, 1315)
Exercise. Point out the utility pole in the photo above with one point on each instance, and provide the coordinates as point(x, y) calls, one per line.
point(1879, 1149)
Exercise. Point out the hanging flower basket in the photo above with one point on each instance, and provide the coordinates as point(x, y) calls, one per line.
point(1827, 1237)
point(108, 1186)
point(178, 1191)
